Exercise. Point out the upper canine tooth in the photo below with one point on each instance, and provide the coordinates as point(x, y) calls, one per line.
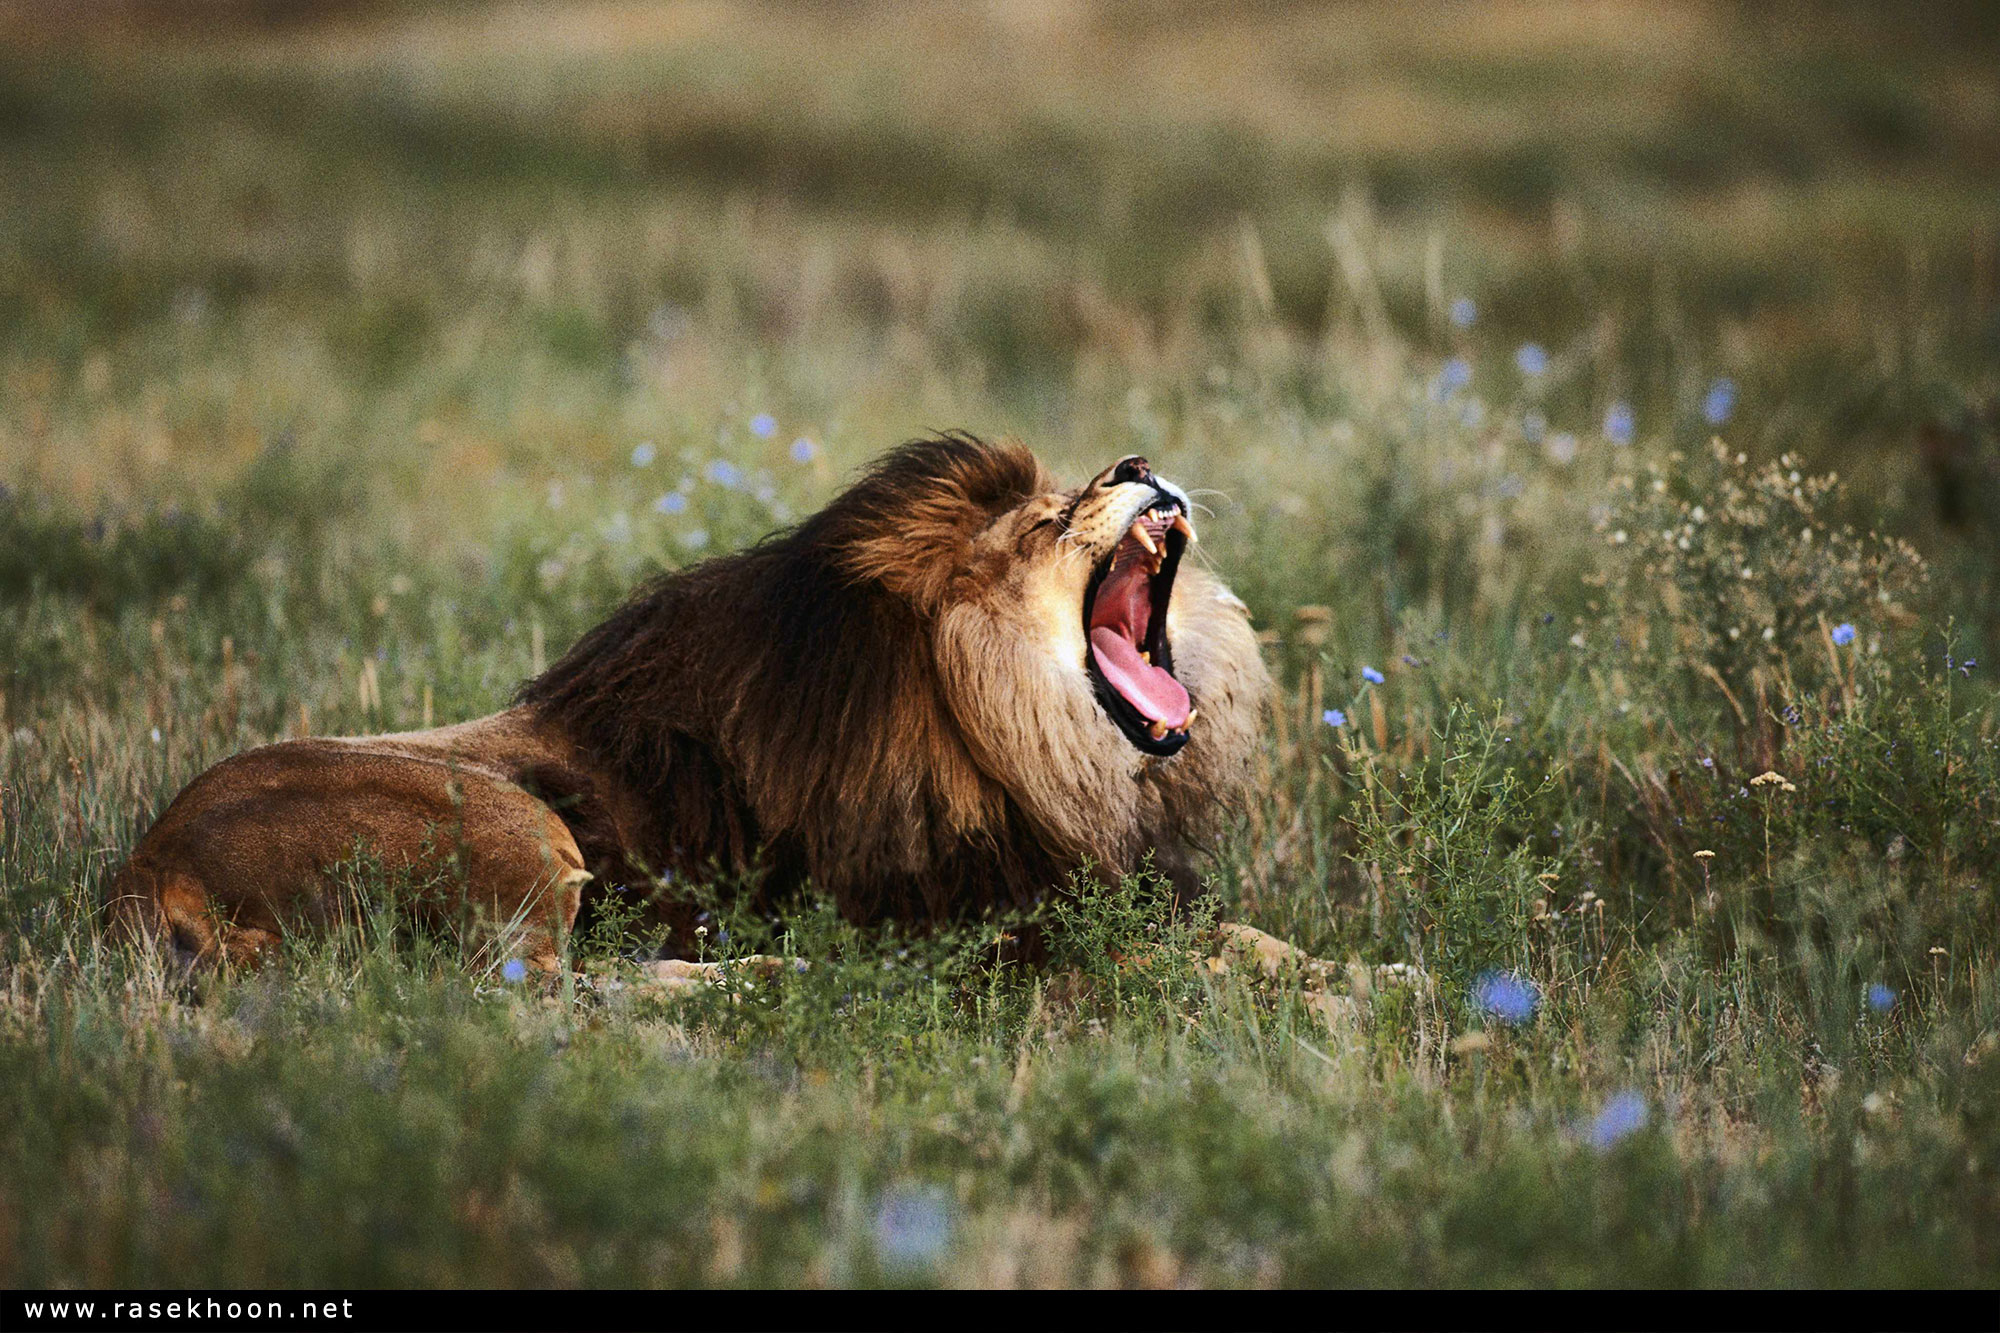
point(1185, 528)
point(1145, 540)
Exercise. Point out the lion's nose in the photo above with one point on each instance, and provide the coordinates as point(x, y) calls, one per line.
point(1131, 469)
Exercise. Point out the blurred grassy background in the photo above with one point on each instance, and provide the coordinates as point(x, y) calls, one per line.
point(454, 252)
point(358, 355)
point(350, 220)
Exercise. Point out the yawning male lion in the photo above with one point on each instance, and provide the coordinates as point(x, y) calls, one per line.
point(942, 693)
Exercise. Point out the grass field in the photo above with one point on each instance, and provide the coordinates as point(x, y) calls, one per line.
point(1598, 407)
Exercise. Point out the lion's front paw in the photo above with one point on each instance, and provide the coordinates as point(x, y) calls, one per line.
point(1263, 955)
point(678, 976)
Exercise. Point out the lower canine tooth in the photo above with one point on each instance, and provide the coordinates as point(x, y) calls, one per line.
point(1193, 713)
point(1159, 730)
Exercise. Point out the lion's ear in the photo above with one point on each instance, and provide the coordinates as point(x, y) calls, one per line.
point(909, 524)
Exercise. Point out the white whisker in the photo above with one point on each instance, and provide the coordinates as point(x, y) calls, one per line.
point(1070, 545)
point(1206, 490)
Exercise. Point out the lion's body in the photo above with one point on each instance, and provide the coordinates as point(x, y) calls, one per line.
point(890, 701)
point(245, 852)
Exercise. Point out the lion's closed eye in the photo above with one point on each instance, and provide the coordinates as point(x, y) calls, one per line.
point(1032, 535)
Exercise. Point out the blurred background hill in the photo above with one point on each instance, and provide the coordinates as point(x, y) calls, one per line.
point(228, 217)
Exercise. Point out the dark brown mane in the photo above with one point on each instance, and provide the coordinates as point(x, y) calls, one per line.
point(779, 708)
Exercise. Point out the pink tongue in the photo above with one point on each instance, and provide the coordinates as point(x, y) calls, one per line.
point(1152, 691)
point(1118, 621)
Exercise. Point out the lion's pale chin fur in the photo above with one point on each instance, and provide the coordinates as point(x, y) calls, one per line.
point(892, 702)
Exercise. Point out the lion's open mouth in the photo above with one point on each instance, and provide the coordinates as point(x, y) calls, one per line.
point(1125, 617)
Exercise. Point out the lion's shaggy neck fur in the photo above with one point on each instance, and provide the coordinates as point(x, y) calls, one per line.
point(859, 702)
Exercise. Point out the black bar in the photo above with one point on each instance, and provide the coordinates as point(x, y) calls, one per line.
point(740, 1311)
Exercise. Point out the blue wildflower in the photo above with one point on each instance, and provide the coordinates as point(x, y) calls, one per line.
point(912, 1227)
point(1843, 634)
point(763, 425)
point(1531, 360)
point(1455, 374)
point(642, 454)
point(1623, 1113)
point(1333, 717)
point(1371, 675)
point(1880, 998)
point(673, 502)
point(695, 538)
point(724, 473)
point(1507, 996)
point(1533, 427)
point(1720, 403)
point(514, 969)
point(1463, 312)
point(1619, 423)
point(803, 450)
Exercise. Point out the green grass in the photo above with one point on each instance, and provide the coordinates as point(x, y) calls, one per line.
point(327, 348)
